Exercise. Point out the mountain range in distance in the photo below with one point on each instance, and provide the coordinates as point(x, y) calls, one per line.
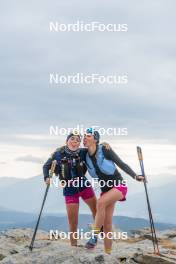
point(26, 195)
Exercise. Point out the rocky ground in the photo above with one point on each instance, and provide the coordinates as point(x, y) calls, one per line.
point(136, 249)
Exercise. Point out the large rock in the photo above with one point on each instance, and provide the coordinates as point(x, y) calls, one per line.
point(14, 250)
point(150, 259)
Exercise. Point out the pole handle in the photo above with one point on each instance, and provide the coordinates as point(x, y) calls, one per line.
point(139, 152)
point(53, 166)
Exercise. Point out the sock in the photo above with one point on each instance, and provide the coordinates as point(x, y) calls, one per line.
point(108, 250)
point(95, 231)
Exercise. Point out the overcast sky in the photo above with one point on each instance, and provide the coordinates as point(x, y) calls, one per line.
point(29, 53)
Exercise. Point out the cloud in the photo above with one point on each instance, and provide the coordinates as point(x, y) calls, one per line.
point(30, 158)
point(172, 167)
point(29, 53)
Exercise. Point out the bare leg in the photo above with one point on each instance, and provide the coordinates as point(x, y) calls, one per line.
point(72, 213)
point(92, 202)
point(105, 200)
point(108, 227)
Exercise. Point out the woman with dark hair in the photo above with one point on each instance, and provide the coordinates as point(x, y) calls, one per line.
point(101, 163)
point(71, 167)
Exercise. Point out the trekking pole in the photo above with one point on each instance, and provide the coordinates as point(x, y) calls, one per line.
point(152, 226)
point(148, 203)
point(53, 166)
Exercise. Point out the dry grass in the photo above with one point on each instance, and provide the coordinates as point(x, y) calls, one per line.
point(168, 244)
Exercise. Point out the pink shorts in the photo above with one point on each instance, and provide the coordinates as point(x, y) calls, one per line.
point(123, 189)
point(87, 193)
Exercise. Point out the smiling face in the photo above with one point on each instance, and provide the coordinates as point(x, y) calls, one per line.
point(89, 140)
point(73, 143)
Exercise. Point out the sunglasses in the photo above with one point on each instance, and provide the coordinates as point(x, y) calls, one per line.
point(76, 133)
point(90, 131)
